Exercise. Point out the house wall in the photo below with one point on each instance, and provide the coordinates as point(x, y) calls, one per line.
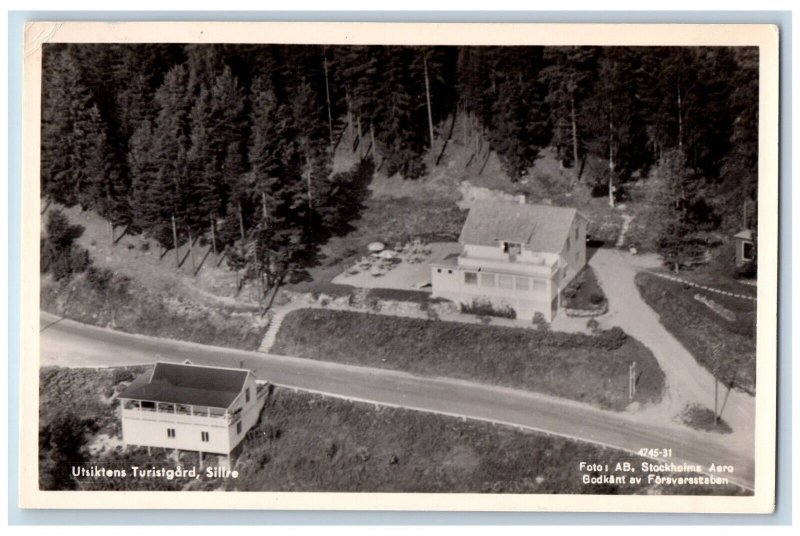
point(250, 412)
point(573, 253)
point(740, 245)
point(525, 301)
point(149, 429)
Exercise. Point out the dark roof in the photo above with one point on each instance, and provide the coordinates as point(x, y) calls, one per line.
point(188, 384)
point(538, 227)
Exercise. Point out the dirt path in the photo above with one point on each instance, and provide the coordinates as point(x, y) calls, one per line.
point(626, 223)
point(687, 382)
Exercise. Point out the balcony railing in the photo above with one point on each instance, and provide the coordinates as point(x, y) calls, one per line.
point(520, 266)
point(182, 416)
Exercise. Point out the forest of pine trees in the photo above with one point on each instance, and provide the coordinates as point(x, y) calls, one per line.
point(235, 143)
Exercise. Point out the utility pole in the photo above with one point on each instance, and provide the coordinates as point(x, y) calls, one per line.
point(715, 358)
point(632, 381)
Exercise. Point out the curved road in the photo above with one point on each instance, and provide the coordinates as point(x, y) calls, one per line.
point(68, 343)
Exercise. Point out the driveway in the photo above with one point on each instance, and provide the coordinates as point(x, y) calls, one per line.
point(687, 382)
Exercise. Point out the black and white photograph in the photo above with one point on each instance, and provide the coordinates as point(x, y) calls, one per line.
point(490, 268)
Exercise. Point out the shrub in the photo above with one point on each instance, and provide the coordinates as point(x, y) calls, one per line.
point(593, 325)
point(121, 375)
point(99, 279)
point(59, 254)
point(611, 339)
point(63, 264)
point(538, 319)
point(747, 270)
point(61, 443)
point(486, 308)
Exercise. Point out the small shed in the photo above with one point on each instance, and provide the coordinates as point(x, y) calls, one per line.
point(745, 247)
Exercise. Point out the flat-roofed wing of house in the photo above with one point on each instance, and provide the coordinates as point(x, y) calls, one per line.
point(514, 255)
point(191, 407)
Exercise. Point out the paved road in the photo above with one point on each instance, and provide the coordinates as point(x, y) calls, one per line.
point(68, 343)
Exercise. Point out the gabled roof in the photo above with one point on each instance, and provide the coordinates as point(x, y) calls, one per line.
point(188, 384)
point(745, 234)
point(538, 227)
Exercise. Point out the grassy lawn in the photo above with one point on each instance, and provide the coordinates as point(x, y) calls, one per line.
point(701, 418)
point(309, 442)
point(700, 329)
point(587, 368)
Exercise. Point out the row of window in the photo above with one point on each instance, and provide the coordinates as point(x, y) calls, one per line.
point(204, 436)
point(504, 281)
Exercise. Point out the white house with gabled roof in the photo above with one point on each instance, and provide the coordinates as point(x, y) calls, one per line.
point(183, 406)
point(514, 255)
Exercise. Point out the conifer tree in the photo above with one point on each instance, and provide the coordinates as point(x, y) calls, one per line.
point(164, 192)
point(519, 120)
point(73, 133)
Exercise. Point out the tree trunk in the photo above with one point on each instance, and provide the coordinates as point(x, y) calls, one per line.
point(264, 205)
point(428, 99)
point(464, 138)
point(575, 166)
point(611, 162)
point(372, 139)
point(191, 254)
point(213, 236)
point(680, 121)
point(175, 243)
point(110, 233)
point(310, 201)
point(358, 133)
point(349, 114)
point(241, 220)
point(328, 97)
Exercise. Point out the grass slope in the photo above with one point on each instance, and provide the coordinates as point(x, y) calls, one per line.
point(141, 310)
point(700, 329)
point(587, 368)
